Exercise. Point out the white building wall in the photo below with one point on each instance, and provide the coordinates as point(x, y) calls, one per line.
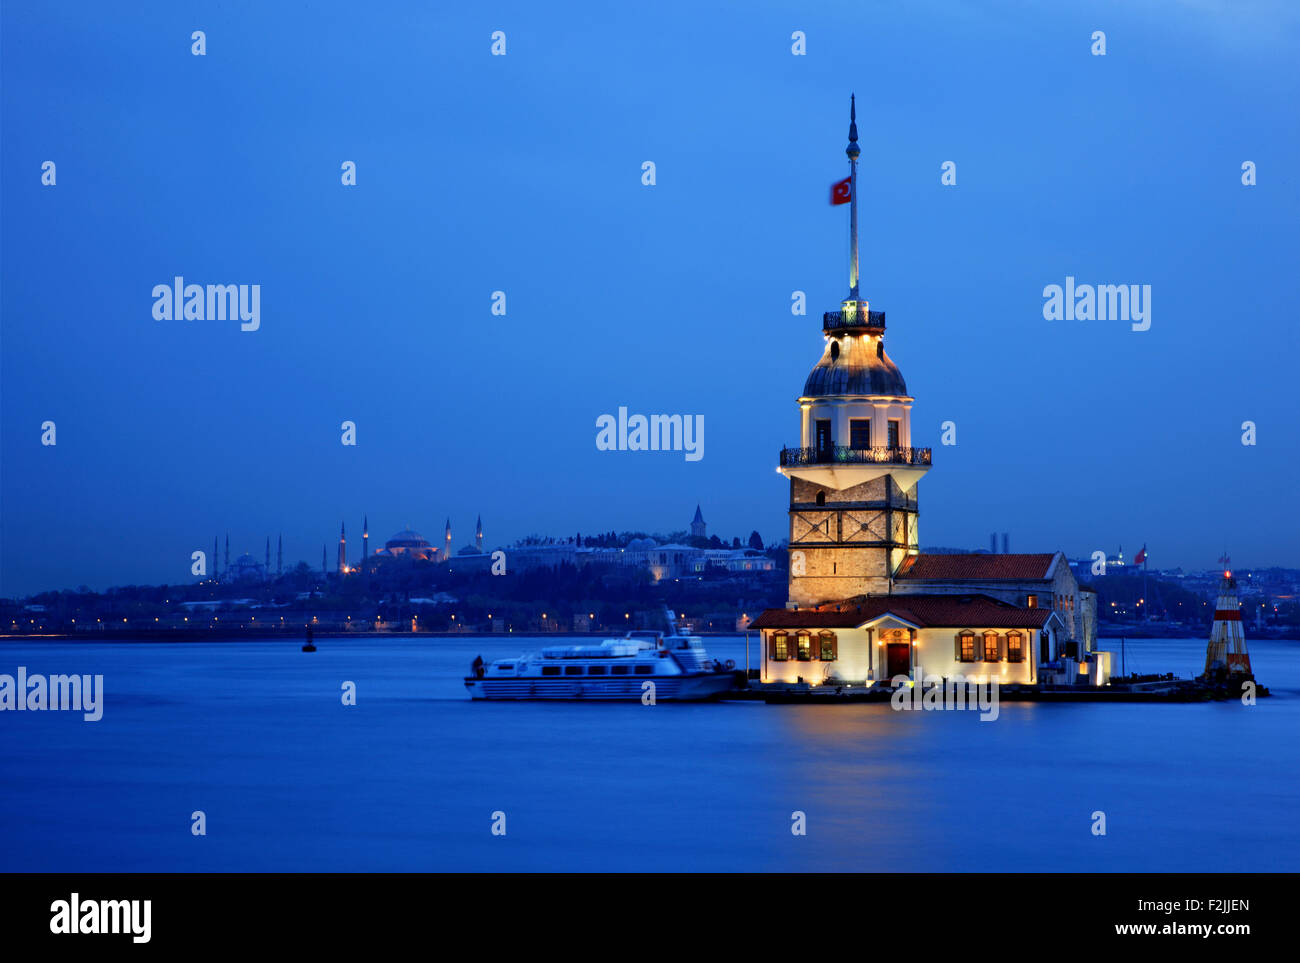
point(861, 655)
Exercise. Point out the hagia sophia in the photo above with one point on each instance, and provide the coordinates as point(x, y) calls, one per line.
point(407, 545)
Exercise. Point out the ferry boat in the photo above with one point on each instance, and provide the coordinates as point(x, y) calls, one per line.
point(614, 670)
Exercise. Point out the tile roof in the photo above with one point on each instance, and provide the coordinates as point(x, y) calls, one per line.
point(979, 567)
point(927, 611)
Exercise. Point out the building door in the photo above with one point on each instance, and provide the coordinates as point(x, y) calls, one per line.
point(823, 438)
point(898, 659)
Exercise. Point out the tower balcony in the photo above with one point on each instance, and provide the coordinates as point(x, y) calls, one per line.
point(843, 322)
point(839, 467)
point(843, 455)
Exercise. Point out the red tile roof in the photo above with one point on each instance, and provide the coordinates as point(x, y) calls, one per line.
point(926, 611)
point(976, 567)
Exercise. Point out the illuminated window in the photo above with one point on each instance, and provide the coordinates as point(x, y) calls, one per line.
point(991, 647)
point(968, 647)
point(804, 642)
point(1015, 647)
point(780, 647)
point(1031, 601)
point(826, 642)
point(893, 433)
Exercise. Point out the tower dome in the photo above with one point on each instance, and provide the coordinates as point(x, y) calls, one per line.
point(855, 365)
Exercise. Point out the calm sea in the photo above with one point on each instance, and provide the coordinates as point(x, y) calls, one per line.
point(256, 736)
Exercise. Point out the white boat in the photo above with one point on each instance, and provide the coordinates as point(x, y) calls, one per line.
point(614, 670)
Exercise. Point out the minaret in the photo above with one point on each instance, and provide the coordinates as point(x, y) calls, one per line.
point(215, 557)
point(478, 535)
point(853, 476)
point(279, 555)
point(343, 550)
point(365, 538)
point(698, 528)
point(446, 552)
point(1226, 652)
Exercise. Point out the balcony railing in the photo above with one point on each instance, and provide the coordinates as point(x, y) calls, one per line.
point(836, 320)
point(843, 455)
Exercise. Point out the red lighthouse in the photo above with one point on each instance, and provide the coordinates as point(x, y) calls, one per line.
point(1226, 653)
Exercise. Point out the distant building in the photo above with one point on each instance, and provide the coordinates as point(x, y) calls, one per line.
point(408, 545)
point(698, 528)
point(245, 569)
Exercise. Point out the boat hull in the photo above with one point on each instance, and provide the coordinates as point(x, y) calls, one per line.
point(692, 687)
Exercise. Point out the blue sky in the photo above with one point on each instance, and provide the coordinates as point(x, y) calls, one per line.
point(522, 173)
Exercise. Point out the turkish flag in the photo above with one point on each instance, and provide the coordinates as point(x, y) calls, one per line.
point(1141, 556)
point(842, 192)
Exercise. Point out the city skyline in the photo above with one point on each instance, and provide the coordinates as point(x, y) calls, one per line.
point(519, 174)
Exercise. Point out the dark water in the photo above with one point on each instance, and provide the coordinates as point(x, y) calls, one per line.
point(255, 735)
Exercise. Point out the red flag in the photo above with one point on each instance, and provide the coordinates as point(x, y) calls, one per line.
point(842, 192)
point(1141, 556)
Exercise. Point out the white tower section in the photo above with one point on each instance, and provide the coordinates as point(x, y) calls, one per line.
point(853, 476)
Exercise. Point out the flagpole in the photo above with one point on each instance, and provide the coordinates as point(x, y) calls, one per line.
point(853, 151)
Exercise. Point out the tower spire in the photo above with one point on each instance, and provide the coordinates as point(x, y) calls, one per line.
point(853, 152)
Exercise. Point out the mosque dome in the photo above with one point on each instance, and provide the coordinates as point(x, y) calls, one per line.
point(407, 539)
point(855, 365)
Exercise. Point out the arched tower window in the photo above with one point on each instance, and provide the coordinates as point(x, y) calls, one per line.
point(821, 498)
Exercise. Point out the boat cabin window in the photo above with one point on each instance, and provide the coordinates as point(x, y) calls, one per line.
point(573, 670)
point(505, 665)
point(645, 669)
point(550, 670)
point(618, 670)
point(595, 670)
